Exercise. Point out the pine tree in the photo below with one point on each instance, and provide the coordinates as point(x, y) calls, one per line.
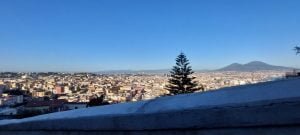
point(181, 80)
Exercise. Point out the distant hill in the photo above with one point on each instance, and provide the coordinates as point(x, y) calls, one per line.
point(253, 66)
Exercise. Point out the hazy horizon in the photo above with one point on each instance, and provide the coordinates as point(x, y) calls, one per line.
point(77, 36)
point(137, 70)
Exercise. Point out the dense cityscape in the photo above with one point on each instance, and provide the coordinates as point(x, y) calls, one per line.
point(29, 94)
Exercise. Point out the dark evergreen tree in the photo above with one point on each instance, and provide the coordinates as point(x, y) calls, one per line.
point(297, 49)
point(181, 80)
point(97, 101)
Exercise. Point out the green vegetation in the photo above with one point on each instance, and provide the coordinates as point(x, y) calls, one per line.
point(181, 81)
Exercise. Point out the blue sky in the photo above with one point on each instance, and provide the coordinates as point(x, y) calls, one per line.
point(94, 35)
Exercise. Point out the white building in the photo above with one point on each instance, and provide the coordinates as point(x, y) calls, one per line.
point(8, 100)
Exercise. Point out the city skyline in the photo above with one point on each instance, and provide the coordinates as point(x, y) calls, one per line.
point(146, 35)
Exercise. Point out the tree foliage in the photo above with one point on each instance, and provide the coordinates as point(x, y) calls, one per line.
point(97, 101)
point(181, 81)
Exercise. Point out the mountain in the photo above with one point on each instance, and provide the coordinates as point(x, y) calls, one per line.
point(253, 66)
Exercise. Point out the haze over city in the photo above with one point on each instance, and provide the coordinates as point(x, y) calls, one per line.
point(106, 35)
